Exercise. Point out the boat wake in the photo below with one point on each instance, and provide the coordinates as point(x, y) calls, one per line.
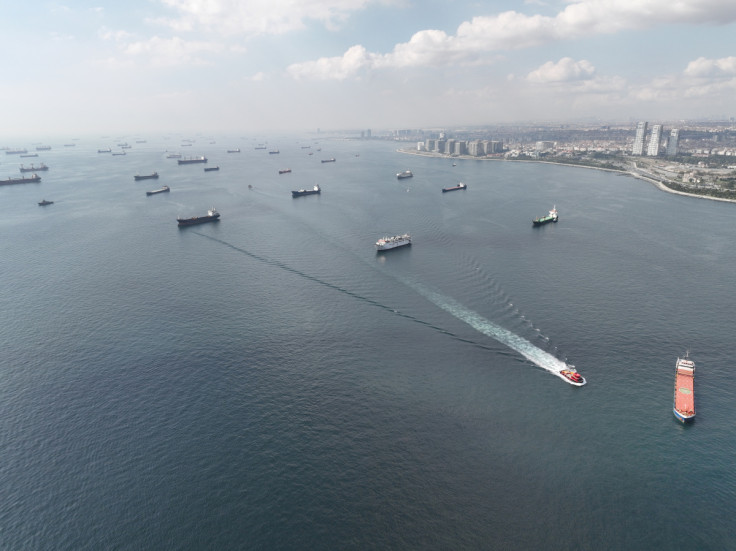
point(536, 355)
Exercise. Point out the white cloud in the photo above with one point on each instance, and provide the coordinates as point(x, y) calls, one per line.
point(477, 39)
point(702, 67)
point(260, 16)
point(335, 68)
point(565, 70)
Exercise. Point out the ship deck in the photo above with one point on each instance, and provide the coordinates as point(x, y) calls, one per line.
point(684, 396)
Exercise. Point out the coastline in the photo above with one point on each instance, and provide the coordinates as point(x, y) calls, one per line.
point(656, 183)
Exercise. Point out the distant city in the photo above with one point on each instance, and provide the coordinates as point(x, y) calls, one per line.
point(692, 157)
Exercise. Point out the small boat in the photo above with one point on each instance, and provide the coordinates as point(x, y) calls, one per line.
point(572, 376)
point(164, 189)
point(551, 217)
point(331, 160)
point(44, 202)
point(684, 402)
point(284, 171)
point(211, 168)
point(314, 191)
point(455, 188)
point(212, 216)
point(388, 243)
point(405, 174)
point(152, 176)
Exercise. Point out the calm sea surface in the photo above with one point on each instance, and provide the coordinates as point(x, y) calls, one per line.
point(270, 382)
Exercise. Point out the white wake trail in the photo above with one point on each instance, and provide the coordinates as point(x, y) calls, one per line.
point(532, 353)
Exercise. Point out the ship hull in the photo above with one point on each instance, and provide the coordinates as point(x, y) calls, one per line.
point(682, 418)
point(11, 181)
point(198, 220)
point(389, 247)
point(543, 221)
point(146, 177)
point(192, 161)
point(456, 188)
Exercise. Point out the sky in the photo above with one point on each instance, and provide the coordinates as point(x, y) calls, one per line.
point(257, 66)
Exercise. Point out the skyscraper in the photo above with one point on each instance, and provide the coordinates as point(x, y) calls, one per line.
point(673, 142)
point(641, 132)
point(653, 149)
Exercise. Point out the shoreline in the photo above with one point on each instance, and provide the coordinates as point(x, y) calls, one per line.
point(659, 185)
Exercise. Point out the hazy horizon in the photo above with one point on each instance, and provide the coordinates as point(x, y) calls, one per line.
point(224, 67)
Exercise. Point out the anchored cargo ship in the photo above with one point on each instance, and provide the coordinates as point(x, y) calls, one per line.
point(551, 217)
point(44, 202)
point(284, 171)
point(314, 191)
point(192, 160)
point(684, 402)
point(164, 189)
point(455, 188)
point(153, 176)
point(212, 216)
point(211, 168)
point(405, 174)
point(386, 243)
point(32, 179)
point(331, 160)
point(33, 168)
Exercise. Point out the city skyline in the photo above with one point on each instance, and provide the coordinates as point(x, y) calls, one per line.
point(224, 66)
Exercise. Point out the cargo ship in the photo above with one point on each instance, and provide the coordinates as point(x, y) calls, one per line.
point(44, 202)
point(331, 160)
point(32, 179)
point(386, 243)
point(684, 402)
point(551, 217)
point(455, 188)
point(33, 168)
point(211, 168)
point(192, 160)
point(236, 150)
point(405, 174)
point(164, 189)
point(153, 176)
point(212, 216)
point(314, 191)
point(571, 375)
point(285, 171)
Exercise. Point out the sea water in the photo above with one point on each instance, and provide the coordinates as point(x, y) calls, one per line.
point(270, 382)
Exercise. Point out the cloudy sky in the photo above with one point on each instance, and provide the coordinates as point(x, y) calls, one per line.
point(246, 66)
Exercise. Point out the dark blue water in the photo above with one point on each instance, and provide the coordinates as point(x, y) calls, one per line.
point(270, 382)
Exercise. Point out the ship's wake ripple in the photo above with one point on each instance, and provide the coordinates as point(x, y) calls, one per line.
point(347, 292)
point(536, 355)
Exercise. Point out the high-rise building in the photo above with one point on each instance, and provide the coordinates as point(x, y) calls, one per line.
point(653, 149)
point(641, 132)
point(673, 142)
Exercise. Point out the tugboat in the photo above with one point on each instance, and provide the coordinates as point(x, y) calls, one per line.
point(212, 216)
point(572, 376)
point(44, 202)
point(314, 191)
point(153, 176)
point(164, 189)
point(454, 188)
point(551, 217)
point(387, 243)
point(684, 403)
point(405, 174)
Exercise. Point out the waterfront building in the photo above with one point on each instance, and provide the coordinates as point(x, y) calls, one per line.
point(673, 143)
point(641, 132)
point(653, 149)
